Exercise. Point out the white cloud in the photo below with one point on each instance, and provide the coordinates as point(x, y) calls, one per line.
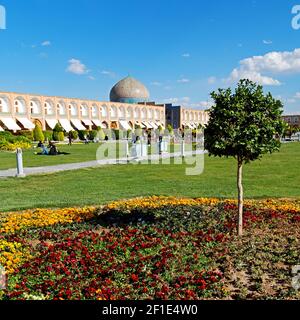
point(206, 104)
point(291, 100)
point(262, 68)
point(183, 80)
point(183, 100)
point(212, 80)
point(108, 73)
point(267, 42)
point(46, 43)
point(91, 78)
point(297, 95)
point(186, 55)
point(76, 67)
point(156, 83)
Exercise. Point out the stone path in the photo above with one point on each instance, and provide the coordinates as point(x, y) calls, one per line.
point(90, 164)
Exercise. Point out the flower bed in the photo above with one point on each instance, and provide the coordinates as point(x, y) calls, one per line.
point(152, 248)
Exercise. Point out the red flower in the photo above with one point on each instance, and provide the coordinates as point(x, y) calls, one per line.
point(134, 278)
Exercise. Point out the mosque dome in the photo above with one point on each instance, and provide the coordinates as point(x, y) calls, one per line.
point(129, 90)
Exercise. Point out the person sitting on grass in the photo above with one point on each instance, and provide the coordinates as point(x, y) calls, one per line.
point(44, 149)
point(53, 149)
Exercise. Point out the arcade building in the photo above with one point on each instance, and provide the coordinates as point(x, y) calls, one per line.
point(129, 106)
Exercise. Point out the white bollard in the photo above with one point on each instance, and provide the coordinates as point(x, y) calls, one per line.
point(20, 168)
point(182, 148)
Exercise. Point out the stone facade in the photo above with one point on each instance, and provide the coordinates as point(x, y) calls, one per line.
point(292, 120)
point(38, 108)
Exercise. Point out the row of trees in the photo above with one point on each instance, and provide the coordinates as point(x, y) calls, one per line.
point(58, 134)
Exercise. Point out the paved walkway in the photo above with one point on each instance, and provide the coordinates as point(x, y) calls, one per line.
point(90, 164)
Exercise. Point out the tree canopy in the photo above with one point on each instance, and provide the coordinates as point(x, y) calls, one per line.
point(244, 124)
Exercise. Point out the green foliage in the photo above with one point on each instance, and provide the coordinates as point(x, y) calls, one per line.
point(60, 136)
point(170, 129)
point(10, 142)
point(92, 135)
point(116, 134)
point(26, 133)
point(74, 134)
point(83, 134)
point(100, 134)
point(38, 133)
point(58, 128)
point(244, 124)
point(48, 135)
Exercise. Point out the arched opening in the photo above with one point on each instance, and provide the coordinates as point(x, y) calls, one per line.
point(157, 114)
point(150, 114)
point(113, 112)
point(129, 113)
point(121, 112)
point(136, 113)
point(61, 109)
point(95, 111)
point(38, 122)
point(73, 109)
point(105, 125)
point(20, 106)
point(35, 106)
point(4, 105)
point(104, 111)
point(144, 114)
point(114, 125)
point(49, 108)
point(84, 110)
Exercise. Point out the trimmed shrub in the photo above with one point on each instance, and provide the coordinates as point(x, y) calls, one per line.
point(9, 142)
point(58, 128)
point(92, 134)
point(60, 136)
point(48, 135)
point(26, 133)
point(74, 135)
point(38, 134)
point(83, 134)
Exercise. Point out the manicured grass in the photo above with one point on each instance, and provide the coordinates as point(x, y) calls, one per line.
point(275, 175)
point(76, 153)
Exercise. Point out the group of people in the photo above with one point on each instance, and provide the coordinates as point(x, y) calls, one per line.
point(51, 150)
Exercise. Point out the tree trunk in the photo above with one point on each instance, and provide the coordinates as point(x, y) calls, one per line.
point(240, 196)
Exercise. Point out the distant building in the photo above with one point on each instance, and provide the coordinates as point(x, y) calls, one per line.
point(129, 106)
point(292, 120)
point(181, 117)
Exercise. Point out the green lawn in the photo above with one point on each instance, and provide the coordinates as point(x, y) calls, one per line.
point(276, 175)
point(77, 153)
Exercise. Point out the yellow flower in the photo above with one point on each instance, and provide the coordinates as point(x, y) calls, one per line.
point(11, 222)
point(12, 255)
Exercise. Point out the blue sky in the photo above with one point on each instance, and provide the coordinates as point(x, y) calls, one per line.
point(180, 49)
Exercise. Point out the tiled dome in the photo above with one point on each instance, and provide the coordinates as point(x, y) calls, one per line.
point(129, 90)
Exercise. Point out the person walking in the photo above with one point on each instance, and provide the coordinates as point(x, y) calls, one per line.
point(70, 138)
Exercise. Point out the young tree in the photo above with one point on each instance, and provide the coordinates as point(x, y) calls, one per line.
point(245, 125)
point(38, 133)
